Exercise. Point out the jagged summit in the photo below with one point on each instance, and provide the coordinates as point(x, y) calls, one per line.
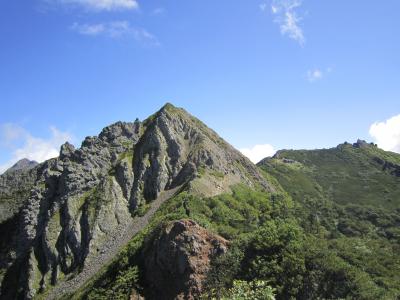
point(176, 147)
point(170, 107)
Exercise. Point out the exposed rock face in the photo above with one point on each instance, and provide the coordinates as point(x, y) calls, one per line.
point(72, 206)
point(176, 148)
point(178, 260)
point(74, 203)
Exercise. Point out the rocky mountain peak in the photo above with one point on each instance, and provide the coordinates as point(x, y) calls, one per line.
point(177, 148)
point(79, 203)
point(23, 164)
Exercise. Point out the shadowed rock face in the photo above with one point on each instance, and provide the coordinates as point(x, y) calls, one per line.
point(74, 203)
point(178, 260)
point(15, 186)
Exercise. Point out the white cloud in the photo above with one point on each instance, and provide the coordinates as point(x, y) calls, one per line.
point(387, 134)
point(116, 29)
point(23, 145)
point(288, 19)
point(317, 74)
point(101, 5)
point(314, 75)
point(258, 152)
point(9, 133)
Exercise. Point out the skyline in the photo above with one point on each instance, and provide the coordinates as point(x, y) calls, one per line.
point(265, 75)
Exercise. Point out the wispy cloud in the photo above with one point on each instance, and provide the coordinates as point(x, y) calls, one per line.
point(258, 152)
point(387, 134)
point(158, 11)
point(116, 29)
point(317, 74)
point(88, 29)
point(263, 6)
point(287, 18)
point(99, 5)
point(22, 144)
point(314, 75)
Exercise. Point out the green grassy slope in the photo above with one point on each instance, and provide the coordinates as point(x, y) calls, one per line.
point(348, 199)
point(343, 184)
point(345, 174)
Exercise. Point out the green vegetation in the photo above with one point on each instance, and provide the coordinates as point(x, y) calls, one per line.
point(201, 171)
point(54, 228)
point(344, 174)
point(217, 174)
point(231, 215)
point(142, 209)
point(125, 282)
point(92, 202)
point(254, 290)
point(333, 235)
point(347, 202)
point(10, 204)
point(127, 156)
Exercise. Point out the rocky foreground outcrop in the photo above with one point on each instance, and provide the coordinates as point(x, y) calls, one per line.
point(178, 260)
point(71, 206)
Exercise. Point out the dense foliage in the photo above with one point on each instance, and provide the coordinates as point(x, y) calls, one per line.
point(254, 290)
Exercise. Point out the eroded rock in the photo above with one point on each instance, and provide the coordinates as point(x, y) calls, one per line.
point(178, 260)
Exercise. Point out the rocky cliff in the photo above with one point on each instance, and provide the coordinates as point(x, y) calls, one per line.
point(68, 208)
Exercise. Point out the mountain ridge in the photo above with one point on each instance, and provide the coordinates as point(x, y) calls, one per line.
point(90, 223)
point(80, 198)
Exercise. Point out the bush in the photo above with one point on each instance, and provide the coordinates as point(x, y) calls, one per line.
point(254, 290)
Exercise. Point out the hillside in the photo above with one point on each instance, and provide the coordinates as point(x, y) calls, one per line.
point(349, 197)
point(358, 173)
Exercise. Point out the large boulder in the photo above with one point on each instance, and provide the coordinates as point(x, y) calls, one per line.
point(178, 260)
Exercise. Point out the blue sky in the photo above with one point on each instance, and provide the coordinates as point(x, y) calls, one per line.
point(278, 74)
